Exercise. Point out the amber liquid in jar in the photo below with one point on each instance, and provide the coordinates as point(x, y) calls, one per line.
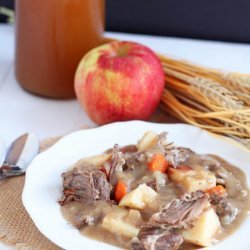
point(51, 38)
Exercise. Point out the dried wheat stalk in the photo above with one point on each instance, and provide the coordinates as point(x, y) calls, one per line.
point(208, 98)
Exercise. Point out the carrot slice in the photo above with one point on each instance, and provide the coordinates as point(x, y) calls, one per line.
point(218, 190)
point(120, 190)
point(158, 163)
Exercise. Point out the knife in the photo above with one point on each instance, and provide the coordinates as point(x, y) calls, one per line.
point(19, 155)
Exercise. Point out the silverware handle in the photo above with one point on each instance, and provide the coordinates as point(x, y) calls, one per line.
point(10, 170)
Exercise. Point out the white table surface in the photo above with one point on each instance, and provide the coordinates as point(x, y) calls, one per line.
point(21, 112)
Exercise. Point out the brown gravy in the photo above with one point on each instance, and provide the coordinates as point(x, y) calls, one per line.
point(238, 196)
point(95, 232)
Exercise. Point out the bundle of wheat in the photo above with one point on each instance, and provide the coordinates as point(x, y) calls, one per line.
point(208, 98)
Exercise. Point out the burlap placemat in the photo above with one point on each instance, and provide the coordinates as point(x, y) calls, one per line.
point(16, 227)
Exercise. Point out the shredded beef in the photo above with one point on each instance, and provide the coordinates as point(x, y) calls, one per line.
point(115, 165)
point(182, 212)
point(85, 183)
point(153, 238)
point(223, 208)
point(161, 232)
point(174, 155)
point(162, 139)
point(178, 155)
point(136, 244)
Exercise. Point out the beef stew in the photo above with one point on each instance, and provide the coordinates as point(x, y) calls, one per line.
point(154, 196)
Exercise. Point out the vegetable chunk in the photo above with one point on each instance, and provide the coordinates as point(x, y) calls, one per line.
point(201, 180)
point(122, 222)
point(191, 180)
point(97, 160)
point(158, 163)
point(178, 174)
point(217, 190)
point(120, 190)
point(204, 229)
point(139, 198)
point(149, 139)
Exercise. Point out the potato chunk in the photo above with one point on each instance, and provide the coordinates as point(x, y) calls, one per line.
point(98, 160)
point(122, 222)
point(133, 217)
point(139, 198)
point(192, 180)
point(201, 180)
point(149, 139)
point(177, 174)
point(160, 178)
point(204, 229)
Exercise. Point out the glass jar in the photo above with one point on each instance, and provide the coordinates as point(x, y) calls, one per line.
point(51, 38)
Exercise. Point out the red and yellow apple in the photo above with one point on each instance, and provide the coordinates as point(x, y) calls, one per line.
point(119, 81)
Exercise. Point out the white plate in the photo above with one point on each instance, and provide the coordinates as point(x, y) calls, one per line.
point(43, 185)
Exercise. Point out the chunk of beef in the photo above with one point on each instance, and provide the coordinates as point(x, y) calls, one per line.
point(85, 183)
point(223, 208)
point(169, 241)
point(153, 238)
point(181, 212)
point(115, 165)
point(136, 244)
point(178, 155)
